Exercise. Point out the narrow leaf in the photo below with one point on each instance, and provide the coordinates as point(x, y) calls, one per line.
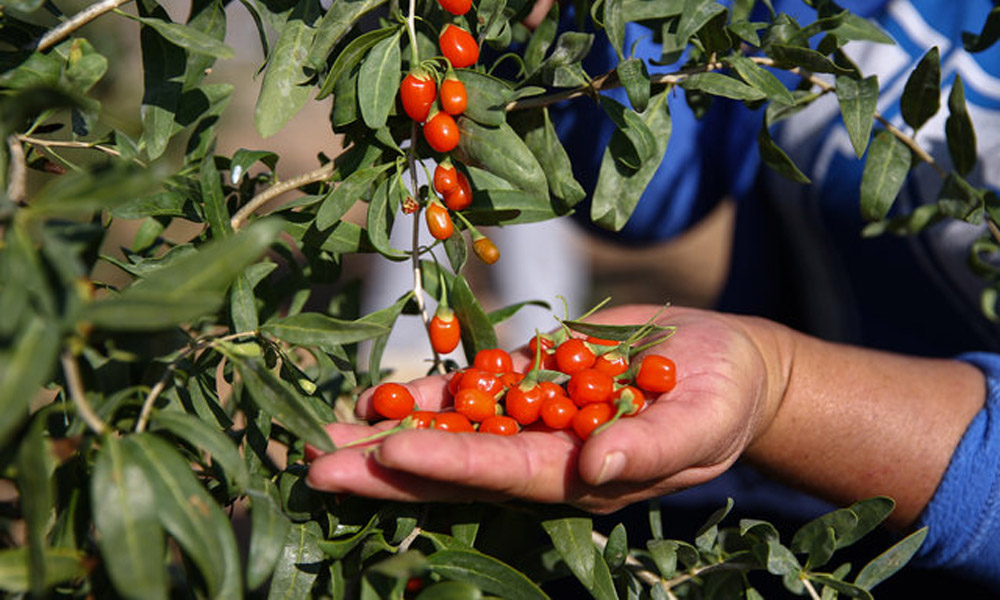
point(337, 20)
point(776, 158)
point(762, 79)
point(269, 528)
point(347, 193)
point(858, 99)
point(489, 574)
point(922, 95)
point(320, 331)
point(379, 80)
point(895, 558)
point(26, 367)
point(502, 152)
point(298, 565)
point(988, 36)
point(351, 55)
point(571, 536)
point(885, 171)
point(477, 331)
point(125, 515)
point(282, 401)
point(62, 565)
point(203, 436)
point(718, 84)
point(959, 131)
point(282, 92)
point(189, 38)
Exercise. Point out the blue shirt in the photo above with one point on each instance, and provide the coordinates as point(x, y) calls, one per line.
point(798, 256)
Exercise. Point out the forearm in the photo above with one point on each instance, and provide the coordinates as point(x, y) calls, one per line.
point(852, 423)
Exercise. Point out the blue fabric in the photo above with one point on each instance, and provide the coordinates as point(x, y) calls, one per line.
point(963, 518)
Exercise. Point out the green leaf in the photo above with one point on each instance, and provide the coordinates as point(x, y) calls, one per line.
point(708, 533)
point(777, 559)
point(379, 78)
point(190, 514)
point(125, 515)
point(80, 194)
point(987, 36)
point(618, 188)
point(347, 193)
point(858, 100)
point(541, 39)
point(385, 317)
point(635, 79)
point(450, 590)
point(718, 84)
point(806, 58)
point(488, 97)
point(616, 550)
point(614, 25)
point(216, 212)
point(188, 38)
point(697, 14)
point(870, 513)
point(337, 20)
point(886, 564)
point(477, 331)
point(269, 528)
point(298, 565)
point(776, 158)
point(163, 66)
point(603, 587)
point(62, 565)
point(921, 97)
point(282, 401)
point(762, 79)
point(351, 55)
point(508, 207)
point(633, 129)
point(571, 536)
point(320, 331)
point(840, 586)
point(189, 287)
point(206, 438)
point(502, 314)
point(25, 367)
point(380, 217)
point(283, 91)
point(664, 554)
point(540, 136)
point(885, 172)
point(35, 465)
point(959, 131)
point(243, 305)
point(502, 152)
point(489, 574)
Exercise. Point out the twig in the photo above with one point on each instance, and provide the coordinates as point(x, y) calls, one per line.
point(74, 144)
point(77, 21)
point(812, 590)
point(75, 387)
point(277, 189)
point(912, 145)
point(16, 186)
point(147, 405)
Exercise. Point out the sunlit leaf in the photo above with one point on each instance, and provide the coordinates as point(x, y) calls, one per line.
point(489, 574)
point(380, 72)
point(283, 92)
point(571, 536)
point(886, 564)
point(858, 99)
point(885, 171)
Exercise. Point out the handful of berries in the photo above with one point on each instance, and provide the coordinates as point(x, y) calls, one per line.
point(579, 383)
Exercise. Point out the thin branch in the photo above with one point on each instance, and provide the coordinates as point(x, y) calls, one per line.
point(74, 144)
point(147, 405)
point(912, 145)
point(812, 590)
point(278, 189)
point(61, 32)
point(75, 387)
point(16, 186)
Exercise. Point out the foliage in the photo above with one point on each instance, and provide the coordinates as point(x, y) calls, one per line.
point(136, 421)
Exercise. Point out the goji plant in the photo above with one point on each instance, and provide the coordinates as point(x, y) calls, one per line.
point(142, 424)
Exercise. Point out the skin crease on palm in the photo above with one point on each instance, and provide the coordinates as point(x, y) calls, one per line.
point(686, 437)
point(842, 422)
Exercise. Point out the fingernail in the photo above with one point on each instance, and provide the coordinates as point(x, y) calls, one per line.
point(613, 466)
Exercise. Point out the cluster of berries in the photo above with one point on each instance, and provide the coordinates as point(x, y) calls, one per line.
point(436, 108)
point(574, 383)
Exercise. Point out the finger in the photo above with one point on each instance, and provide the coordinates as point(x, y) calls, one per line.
point(358, 471)
point(342, 434)
point(539, 466)
point(429, 393)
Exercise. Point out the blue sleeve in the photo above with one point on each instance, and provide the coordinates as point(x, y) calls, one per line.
point(963, 517)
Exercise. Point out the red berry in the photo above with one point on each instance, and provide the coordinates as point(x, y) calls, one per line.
point(493, 360)
point(612, 363)
point(393, 401)
point(441, 132)
point(479, 379)
point(656, 374)
point(590, 386)
point(524, 404)
point(445, 177)
point(475, 404)
point(439, 221)
point(573, 355)
point(422, 419)
point(453, 96)
point(453, 421)
point(456, 7)
point(458, 46)
point(590, 417)
point(558, 412)
point(499, 425)
point(417, 93)
point(459, 197)
point(631, 398)
point(444, 330)
point(486, 250)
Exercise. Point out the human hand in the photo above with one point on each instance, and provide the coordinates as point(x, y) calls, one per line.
point(730, 376)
